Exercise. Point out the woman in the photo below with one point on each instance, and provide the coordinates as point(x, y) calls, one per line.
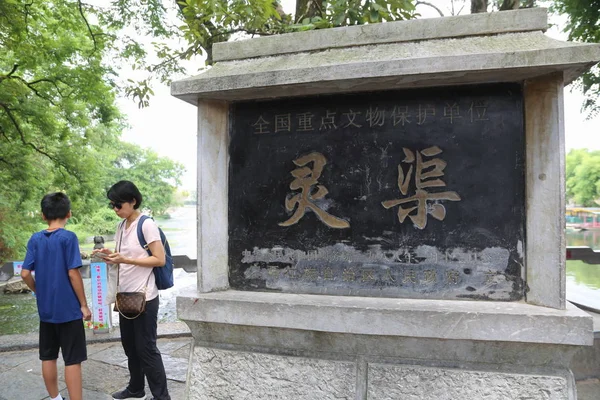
point(138, 336)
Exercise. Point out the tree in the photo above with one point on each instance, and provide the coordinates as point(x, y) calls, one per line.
point(58, 119)
point(584, 25)
point(583, 177)
point(156, 177)
point(199, 24)
point(479, 6)
point(54, 88)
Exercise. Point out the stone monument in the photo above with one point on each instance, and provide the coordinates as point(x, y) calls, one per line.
point(381, 213)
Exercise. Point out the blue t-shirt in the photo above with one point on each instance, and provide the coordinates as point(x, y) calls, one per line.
point(51, 255)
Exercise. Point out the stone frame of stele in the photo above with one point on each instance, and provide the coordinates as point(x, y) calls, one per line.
point(474, 314)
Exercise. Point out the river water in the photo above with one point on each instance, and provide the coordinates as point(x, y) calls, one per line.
point(18, 312)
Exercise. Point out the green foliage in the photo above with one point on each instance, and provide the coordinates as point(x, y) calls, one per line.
point(583, 177)
point(100, 222)
point(179, 30)
point(335, 13)
point(584, 25)
point(59, 126)
point(156, 177)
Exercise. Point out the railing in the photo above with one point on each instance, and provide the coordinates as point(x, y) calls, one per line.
point(180, 261)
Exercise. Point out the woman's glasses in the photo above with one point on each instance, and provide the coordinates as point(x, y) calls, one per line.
point(113, 205)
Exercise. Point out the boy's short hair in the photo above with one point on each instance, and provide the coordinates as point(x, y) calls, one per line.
point(125, 192)
point(56, 206)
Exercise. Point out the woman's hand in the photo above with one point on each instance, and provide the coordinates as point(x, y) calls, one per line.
point(101, 252)
point(116, 258)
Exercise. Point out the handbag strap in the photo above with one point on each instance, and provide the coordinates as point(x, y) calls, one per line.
point(121, 228)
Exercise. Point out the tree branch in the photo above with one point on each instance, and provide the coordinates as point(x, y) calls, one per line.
point(88, 25)
point(12, 71)
point(51, 82)
point(34, 90)
point(430, 5)
point(33, 146)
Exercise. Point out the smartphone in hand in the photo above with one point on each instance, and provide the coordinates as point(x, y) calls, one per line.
point(99, 255)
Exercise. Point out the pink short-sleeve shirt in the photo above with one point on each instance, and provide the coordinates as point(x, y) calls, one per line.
point(133, 278)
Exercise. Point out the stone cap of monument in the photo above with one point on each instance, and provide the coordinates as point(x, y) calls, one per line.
point(507, 46)
point(450, 320)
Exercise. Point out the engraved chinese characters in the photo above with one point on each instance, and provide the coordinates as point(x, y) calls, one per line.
point(421, 174)
point(380, 194)
point(306, 178)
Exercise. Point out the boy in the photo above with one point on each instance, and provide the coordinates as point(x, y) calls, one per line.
point(54, 256)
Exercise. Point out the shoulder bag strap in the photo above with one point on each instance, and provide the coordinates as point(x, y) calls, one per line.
point(140, 234)
point(120, 230)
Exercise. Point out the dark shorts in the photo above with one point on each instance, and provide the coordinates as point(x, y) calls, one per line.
point(69, 337)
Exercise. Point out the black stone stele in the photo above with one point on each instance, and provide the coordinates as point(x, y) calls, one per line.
point(414, 193)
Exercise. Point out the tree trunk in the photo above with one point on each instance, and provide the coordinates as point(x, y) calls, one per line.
point(510, 5)
point(307, 9)
point(479, 6)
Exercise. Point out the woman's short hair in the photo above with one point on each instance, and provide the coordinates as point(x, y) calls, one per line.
point(125, 192)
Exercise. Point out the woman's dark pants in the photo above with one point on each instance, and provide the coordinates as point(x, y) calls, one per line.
point(138, 337)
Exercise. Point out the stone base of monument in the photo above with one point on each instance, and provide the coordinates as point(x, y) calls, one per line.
point(252, 345)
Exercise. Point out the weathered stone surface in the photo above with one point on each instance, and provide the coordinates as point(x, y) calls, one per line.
point(213, 157)
point(400, 31)
point(442, 62)
point(386, 382)
point(489, 321)
point(586, 362)
point(233, 375)
point(545, 191)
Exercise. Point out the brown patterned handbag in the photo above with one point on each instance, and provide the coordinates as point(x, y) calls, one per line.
point(131, 304)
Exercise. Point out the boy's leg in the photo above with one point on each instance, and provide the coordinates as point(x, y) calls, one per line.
point(49, 345)
point(74, 350)
point(50, 374)
point(74, 379)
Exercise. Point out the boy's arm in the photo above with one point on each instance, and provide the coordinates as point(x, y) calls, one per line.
point(28, 279)
point(77, 283)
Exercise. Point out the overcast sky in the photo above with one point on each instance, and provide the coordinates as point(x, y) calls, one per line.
point(168, 125)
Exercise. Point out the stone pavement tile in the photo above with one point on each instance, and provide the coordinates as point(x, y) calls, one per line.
point(177, 390)
point(588, 389)
point(20, 383)
point(12, 359)
point(183, 352)
point(175, 368)
point(170, 346)
point(113, 355)
point(92, 395)
point(94, 348)
point(104, 378)
point(97, 376)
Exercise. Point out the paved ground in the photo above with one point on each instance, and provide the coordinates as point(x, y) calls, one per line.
point(104, 372)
